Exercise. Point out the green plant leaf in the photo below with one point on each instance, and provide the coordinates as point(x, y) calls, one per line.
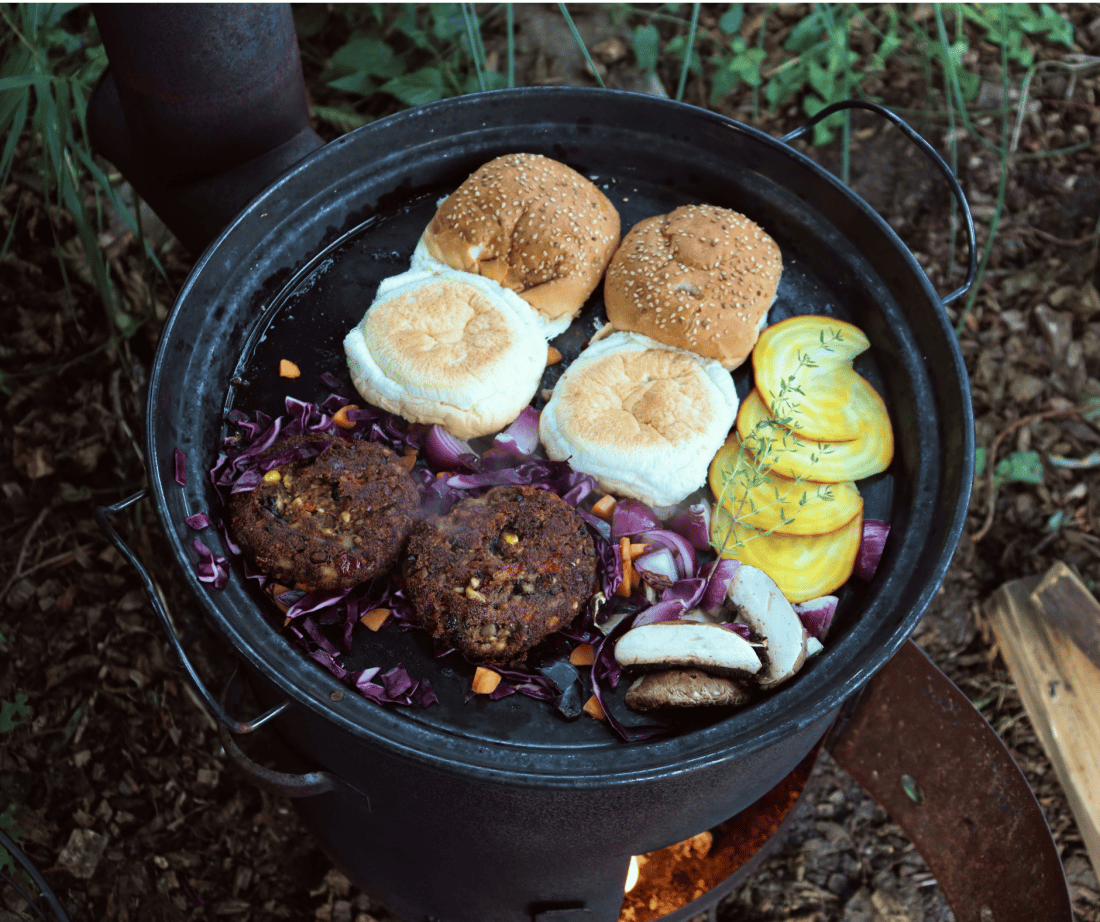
point(493, 81)
point(419, 87)
point(647, 46)
point(730, 20)
point(1020, 467)
point(724, 80)
point(448, 23)
point(364, 54)
point(14, 713)
point(979, 460)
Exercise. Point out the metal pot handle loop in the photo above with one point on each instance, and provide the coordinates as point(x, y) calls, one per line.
point(209, 701)
point(932, 154)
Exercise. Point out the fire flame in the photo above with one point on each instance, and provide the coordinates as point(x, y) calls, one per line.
point(631, 874)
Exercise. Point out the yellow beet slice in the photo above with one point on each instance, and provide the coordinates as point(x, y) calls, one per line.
point(821, 462)
point(766, 501)
point(803, 370)
point(803, 566)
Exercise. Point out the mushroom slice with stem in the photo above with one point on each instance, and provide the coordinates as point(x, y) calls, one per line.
point(671, 688)
point(761, 605)
point(670, 644)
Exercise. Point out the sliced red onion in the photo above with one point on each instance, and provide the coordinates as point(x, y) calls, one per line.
point(718, 573)
point(180, 462)
point(817, 615)
point(682, 551)
point(658, 567)
point(742, 630)
point(522, 436)
point(687, 591)
point(693, 524)
point(632, 517)
point(671, 610)
point(875, 532)
point(445, 451)
point(199, 521)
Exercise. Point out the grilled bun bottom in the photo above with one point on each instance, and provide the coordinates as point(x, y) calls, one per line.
point(642, 418)
point(448, 348)
point(535, 226)
point(701, 278)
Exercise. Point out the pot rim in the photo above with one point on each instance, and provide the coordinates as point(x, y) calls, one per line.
point(785, 712)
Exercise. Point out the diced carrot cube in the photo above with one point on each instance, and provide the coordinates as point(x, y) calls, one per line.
point(288, 369)
point(592, 709)
point(340, 417)
point(485, 681)
point(603, 507)
point(583, 655)
point(375, 618)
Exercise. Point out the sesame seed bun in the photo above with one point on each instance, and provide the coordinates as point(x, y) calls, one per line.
point(701, 278)
point(532, 224)
point(644, 419)
point(448, 348)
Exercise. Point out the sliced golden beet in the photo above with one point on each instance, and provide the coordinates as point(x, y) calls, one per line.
point(803, 370)
point(789, 455)
point(803, 566)
point(764, 500)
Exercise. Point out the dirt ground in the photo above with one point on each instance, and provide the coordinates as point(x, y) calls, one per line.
point(115, 779)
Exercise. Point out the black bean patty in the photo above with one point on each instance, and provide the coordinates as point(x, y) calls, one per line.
point(500, 572)
point(330, 521)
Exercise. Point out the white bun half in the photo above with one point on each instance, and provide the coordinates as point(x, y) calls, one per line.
point(644, 419)
point(448, 348)
point(423, 261)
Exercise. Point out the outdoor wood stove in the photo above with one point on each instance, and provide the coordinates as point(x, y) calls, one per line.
point(474, 811)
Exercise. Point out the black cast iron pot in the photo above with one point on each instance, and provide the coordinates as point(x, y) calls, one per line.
point(504, 810)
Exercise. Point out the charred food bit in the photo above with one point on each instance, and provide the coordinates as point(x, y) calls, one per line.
point(328, 521)
point(500, 572)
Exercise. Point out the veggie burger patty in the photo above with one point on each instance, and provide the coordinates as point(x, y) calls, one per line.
point(500, 572)
point(328, 521)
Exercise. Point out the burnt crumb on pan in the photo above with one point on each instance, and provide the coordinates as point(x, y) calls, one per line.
point(500, 572)
point(330, 521)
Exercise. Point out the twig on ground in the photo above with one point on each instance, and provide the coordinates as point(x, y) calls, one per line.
point(991, 457)
point(39, 519)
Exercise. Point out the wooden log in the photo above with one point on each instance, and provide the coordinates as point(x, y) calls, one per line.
point(1058, 683)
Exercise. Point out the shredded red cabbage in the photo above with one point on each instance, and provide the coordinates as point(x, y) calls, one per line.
point(322, 623)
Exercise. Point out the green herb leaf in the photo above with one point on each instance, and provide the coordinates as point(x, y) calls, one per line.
point(13, 713)
point(419, 87)
point(1020, 467)
point(647, 43)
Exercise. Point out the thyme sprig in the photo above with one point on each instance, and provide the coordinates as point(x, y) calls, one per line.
point(758, 452)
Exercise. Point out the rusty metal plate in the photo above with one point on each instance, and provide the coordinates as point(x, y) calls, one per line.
point(921, 749)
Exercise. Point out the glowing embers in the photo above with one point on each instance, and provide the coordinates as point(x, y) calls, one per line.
point(682, 880)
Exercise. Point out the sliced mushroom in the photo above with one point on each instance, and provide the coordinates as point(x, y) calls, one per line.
point(761, 605)
point(667, 644)
point(813, 646)
point(674, 688)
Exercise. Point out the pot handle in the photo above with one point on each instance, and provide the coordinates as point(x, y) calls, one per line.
point(209, 701)
point(919, 747)
point(930, 152)
point(282, 784)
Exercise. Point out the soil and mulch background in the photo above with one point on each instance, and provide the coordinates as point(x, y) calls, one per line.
point(113, 777)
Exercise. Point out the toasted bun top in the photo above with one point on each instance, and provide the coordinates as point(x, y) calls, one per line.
point(448, 348)
point(532, 224)
point(642, 418)
point(701, 278)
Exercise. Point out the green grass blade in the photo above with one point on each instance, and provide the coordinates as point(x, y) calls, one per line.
point(474, 39)
point(580, 42)
point(510, 15)
point(689, 48)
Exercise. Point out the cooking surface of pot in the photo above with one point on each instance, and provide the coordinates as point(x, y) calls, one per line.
point(298, 268)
